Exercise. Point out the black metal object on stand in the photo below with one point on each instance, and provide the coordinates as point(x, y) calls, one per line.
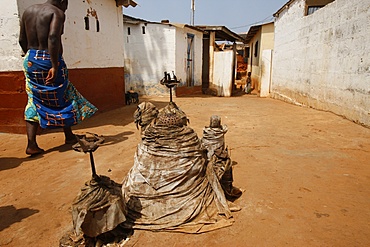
point(170, 82)
point(88, 146)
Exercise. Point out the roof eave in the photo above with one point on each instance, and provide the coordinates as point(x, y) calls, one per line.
point(126, 3)
point(285, 6)
point(223, 33)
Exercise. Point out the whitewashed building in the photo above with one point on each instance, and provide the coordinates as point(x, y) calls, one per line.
point(152, 48)
point(322, 56)
point(260, 40)
point(93, 51)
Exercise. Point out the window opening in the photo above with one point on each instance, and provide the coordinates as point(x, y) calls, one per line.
point(256, 49)
point(247, 52)
point(312, 9)
point(143, 28)
point(87, 23)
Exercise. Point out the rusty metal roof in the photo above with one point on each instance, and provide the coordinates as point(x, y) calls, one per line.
point(135, 21)
point(222, 33)
point(126, 3)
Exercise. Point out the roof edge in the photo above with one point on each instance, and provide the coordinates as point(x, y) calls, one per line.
point(126, 3)
point(285, 6)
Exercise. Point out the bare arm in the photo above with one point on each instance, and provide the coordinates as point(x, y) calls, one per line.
point(23, 42)
point(55, 43)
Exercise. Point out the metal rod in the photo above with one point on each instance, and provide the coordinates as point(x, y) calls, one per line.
point(94, 175)
point(192, 12)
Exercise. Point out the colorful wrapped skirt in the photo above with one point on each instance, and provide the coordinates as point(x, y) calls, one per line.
point(56, 104)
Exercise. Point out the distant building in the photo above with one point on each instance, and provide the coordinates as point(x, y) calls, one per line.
point(260, 41)
point(219, 65)
point(152, 48)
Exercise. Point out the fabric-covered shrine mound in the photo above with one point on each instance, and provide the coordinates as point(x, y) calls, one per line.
point(171, 185)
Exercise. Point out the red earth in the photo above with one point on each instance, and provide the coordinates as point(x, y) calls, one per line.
point(305, 176)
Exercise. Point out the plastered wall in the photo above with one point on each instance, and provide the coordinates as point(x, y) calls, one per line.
point(222, 75)
point(162, 48)
point(323, 60)
point(82, 48)
point(10, 51)
point(148, 56)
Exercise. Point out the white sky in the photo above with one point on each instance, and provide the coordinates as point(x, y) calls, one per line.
point(237, 15)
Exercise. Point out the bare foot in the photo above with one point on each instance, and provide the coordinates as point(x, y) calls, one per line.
point(73, 139)
point(34, 151)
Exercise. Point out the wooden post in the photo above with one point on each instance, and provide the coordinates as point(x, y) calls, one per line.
point(212, 39)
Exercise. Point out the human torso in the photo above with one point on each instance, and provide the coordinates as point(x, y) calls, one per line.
point(37, 19)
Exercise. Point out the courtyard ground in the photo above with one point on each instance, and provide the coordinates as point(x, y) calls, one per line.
point(305, 176)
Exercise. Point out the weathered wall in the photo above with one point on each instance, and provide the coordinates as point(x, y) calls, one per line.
point(222, 74)
point(266, 63)
point(265, 38)
point(10, 52)
point(12, 95)
point(147, 56)
point(254, 61)
point(323, 60)
point(89, 48)
point(162, 48)
point(94, 59)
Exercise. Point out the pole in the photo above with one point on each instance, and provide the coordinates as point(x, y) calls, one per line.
point(94, 175)
point(192, 11)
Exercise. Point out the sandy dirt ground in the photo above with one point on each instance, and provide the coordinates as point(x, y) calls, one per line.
point(305, 176)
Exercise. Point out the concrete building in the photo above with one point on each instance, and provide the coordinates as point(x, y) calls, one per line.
point(152, 48)
point(260, 42)
point(93, 51)
point(322, 56)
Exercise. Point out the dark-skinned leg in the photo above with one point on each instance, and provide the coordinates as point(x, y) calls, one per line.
point(70, 137)
point(32, 147)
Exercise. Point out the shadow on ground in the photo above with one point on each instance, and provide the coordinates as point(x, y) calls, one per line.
point(10, 215)
point(7, 163)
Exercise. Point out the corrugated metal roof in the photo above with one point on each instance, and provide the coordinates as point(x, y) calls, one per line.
point(135, 21)
point(126, 3)
point(222, 33)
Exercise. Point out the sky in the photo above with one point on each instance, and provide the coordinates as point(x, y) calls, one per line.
point(236, 15)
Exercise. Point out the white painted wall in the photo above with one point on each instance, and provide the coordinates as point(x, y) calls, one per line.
point(148, 56)
point(82, 48)
point(88, 48)
point(162, 48)
point(10, 51)
point(323, 60)
point(266, 64)
point(222, 74)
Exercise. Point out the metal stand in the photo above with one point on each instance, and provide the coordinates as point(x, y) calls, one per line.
point(170, 82)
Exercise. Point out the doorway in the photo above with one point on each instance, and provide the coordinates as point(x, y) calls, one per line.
point(190, 61)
